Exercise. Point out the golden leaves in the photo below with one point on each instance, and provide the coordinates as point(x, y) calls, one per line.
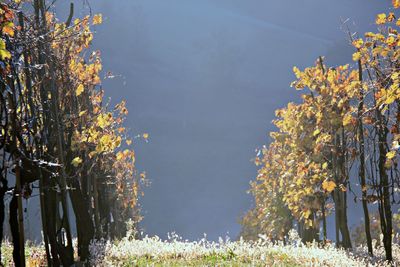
point(358, 43)
point(76, 161)
point(307, 213)
point(120, 155)
point(297, 72)
point(97, 19)
point(8, 28)
point(97, 130)
point(301, 162)
point(328, 186)
point(79, 90)
point(4, 53)
point(356, 56)
point(381, 19)
point(391, 41)
point(391, 155)
point(348, 120)
point(108, 143)
point(396, 3)
point(316, 132)
point(104, 120)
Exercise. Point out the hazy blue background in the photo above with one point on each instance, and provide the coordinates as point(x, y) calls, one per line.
point(203, 78)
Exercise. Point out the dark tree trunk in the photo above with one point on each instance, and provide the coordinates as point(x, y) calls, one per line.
point(84, 224)
point(361, 171)
point(385, 211)
point(3, 191)
point(15, 231)
point(339, 196)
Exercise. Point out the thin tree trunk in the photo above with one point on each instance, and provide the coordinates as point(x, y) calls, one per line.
point(3, 191)
point(386, 211)
point(361, 171)
point(324, 222)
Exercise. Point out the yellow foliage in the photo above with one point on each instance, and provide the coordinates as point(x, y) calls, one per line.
point(8, 29)
point(391, 155)
point(358, 43)
point(356, 56)
point(4, 54)
point(97, 19)
point(347, 119)
point(76, 161)
point(79, 90)
point(329, 186)
point(381, 19)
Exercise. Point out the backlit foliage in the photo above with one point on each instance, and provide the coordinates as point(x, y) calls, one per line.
point(58, 133)
point(347, 123)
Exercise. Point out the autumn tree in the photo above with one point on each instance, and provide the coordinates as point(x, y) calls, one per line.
point(58, 134)
point(348, 121)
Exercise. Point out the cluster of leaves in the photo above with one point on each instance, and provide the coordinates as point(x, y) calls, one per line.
point(343, 122)
point(98, 134)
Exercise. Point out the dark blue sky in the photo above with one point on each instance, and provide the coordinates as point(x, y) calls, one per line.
point(203, 78)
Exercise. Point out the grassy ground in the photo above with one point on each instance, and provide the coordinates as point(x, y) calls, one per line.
point(35, 257)
point(152, 251)
point(211, 260)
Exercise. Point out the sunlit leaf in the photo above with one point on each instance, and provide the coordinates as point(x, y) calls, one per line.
point(79, 90)
point(76, 161)
point(329, 186)
point(381, 19)
point(97, 19)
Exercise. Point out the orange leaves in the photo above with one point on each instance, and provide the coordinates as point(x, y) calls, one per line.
point(396, 3)
point(121, 107)
point(368, 120)
point(97, 19)
point(8, 29)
